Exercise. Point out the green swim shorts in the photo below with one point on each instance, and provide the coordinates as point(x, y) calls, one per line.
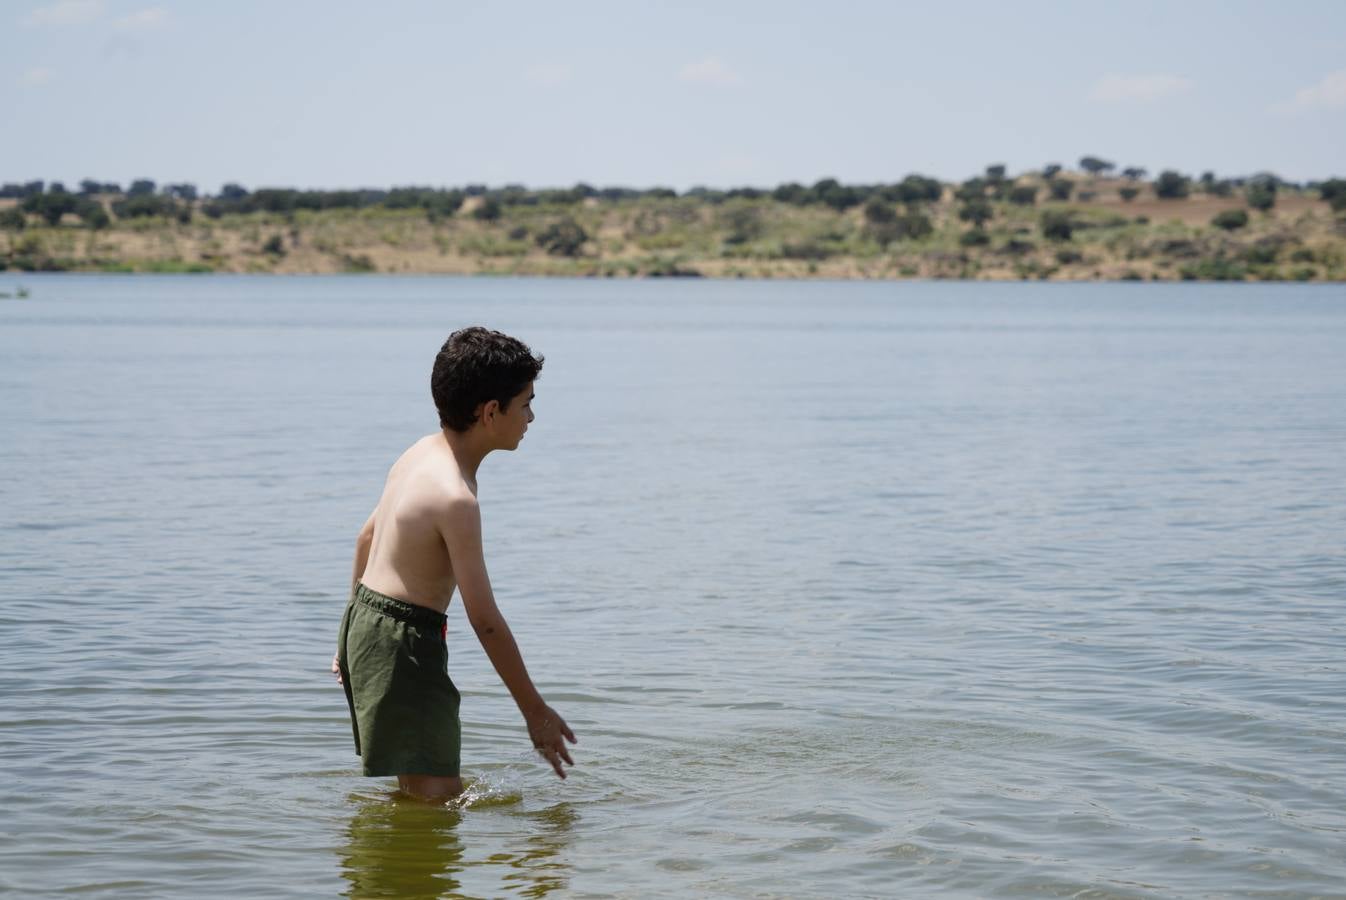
point(394, 667)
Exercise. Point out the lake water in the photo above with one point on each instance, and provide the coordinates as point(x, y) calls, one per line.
point(862, 589)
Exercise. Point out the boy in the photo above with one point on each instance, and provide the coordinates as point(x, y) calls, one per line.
point(423, 540)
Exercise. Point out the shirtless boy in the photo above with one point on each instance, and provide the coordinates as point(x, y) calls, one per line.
point(422, 541)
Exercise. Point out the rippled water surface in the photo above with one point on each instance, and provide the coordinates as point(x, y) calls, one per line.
point(848, 589)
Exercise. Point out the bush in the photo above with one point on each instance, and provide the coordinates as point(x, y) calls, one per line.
point(1218, 269)
point(488, 211)
point(1171, 185)
point(977, 211)
point(1128, 193)
point(563, 238)
point(1231, 219)
point(879, 213)
point(93, 215)
point(913, 226)
point(1067, 256)
point(13, 219)
point(1261, 194)
point(743, 224)
point(274, 246)
point(974, 237)
point(1060, 188)
point(1023, 195)
point(1057, 225)
point(1334, 192)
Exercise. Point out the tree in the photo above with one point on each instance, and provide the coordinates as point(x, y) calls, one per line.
point(1133, 173)
point(1231, 219)
point(1057, 225)
point(879, 213)
point(914, 190)
point(1334, 192)
point(1023, 195)
point(140, 187)
point(791, 192)
point(1128, 193)
point(488, 211)
point(274, 246)
point(1051, 170)
point(51, 206)
point(233, 191)
point(995, 172)
point(1261, 194)
point(1171, 185)
point(1095, 166)
point(972, 189)
point(1060, 188)
point(977, 211)
point(563, 238)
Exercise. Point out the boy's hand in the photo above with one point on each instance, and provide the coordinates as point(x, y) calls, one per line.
point(546, 728)
point(336, 667)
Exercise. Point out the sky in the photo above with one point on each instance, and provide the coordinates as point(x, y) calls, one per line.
point(333, 94)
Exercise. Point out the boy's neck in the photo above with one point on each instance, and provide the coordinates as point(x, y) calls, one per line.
point(469, 448)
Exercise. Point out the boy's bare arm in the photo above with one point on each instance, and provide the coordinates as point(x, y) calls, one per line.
point(362, 544)
point(363, 541)
point(461, 530)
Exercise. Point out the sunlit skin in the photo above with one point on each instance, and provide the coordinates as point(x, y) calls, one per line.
point(423, 542)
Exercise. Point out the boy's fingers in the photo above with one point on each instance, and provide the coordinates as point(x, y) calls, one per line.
point(565, 754)
point(565, 729)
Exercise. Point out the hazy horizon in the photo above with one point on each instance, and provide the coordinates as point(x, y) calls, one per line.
point(314, 96)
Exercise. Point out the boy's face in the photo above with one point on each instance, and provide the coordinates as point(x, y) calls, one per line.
point(514, 421)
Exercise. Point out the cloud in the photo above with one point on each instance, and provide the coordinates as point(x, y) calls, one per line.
point(65, 12)
point(709, 71)
point(1330, 93)
point(1137, 88)
point(35, 77)
point(142, 19)
point(547, 75)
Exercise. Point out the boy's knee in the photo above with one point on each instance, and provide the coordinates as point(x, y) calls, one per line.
point(431, 787)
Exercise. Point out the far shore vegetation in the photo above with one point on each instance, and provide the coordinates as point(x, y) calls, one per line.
point(1091, 222)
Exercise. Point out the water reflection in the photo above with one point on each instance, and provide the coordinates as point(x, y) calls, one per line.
point(397, 847)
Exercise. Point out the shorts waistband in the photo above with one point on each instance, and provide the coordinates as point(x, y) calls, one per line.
point(399, 609)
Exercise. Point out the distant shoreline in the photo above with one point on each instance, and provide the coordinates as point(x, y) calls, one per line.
point(1107, 230)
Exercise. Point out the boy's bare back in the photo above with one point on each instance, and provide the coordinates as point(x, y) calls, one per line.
point(408, 556)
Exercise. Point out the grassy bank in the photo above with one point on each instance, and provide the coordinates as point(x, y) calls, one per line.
point(1100, 235)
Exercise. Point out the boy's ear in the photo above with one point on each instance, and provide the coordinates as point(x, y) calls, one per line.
point(487, 409)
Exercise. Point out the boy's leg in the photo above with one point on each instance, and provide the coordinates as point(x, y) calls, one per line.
point(430, 787)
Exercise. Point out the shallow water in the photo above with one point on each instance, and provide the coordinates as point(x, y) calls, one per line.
point(848, 589)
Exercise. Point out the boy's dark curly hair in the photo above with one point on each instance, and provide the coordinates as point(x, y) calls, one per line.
point(476, 365)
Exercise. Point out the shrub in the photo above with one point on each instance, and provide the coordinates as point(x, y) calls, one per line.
point(1051, 170)
point(1261, 194)
point(488, 211)
point(274, 246)
point(974, 237)
point(1218, 269)
point(1334, 192)
point(1231, 219)
point(1023, 195)
point(976, 211)
point(1057, 225)
point(563, 238)
point(1060, 188)
point(13, 219)
point(1171, 185)
point(1066, 256)
point(743, 223)
point(1128, 193)
point(879, 213)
